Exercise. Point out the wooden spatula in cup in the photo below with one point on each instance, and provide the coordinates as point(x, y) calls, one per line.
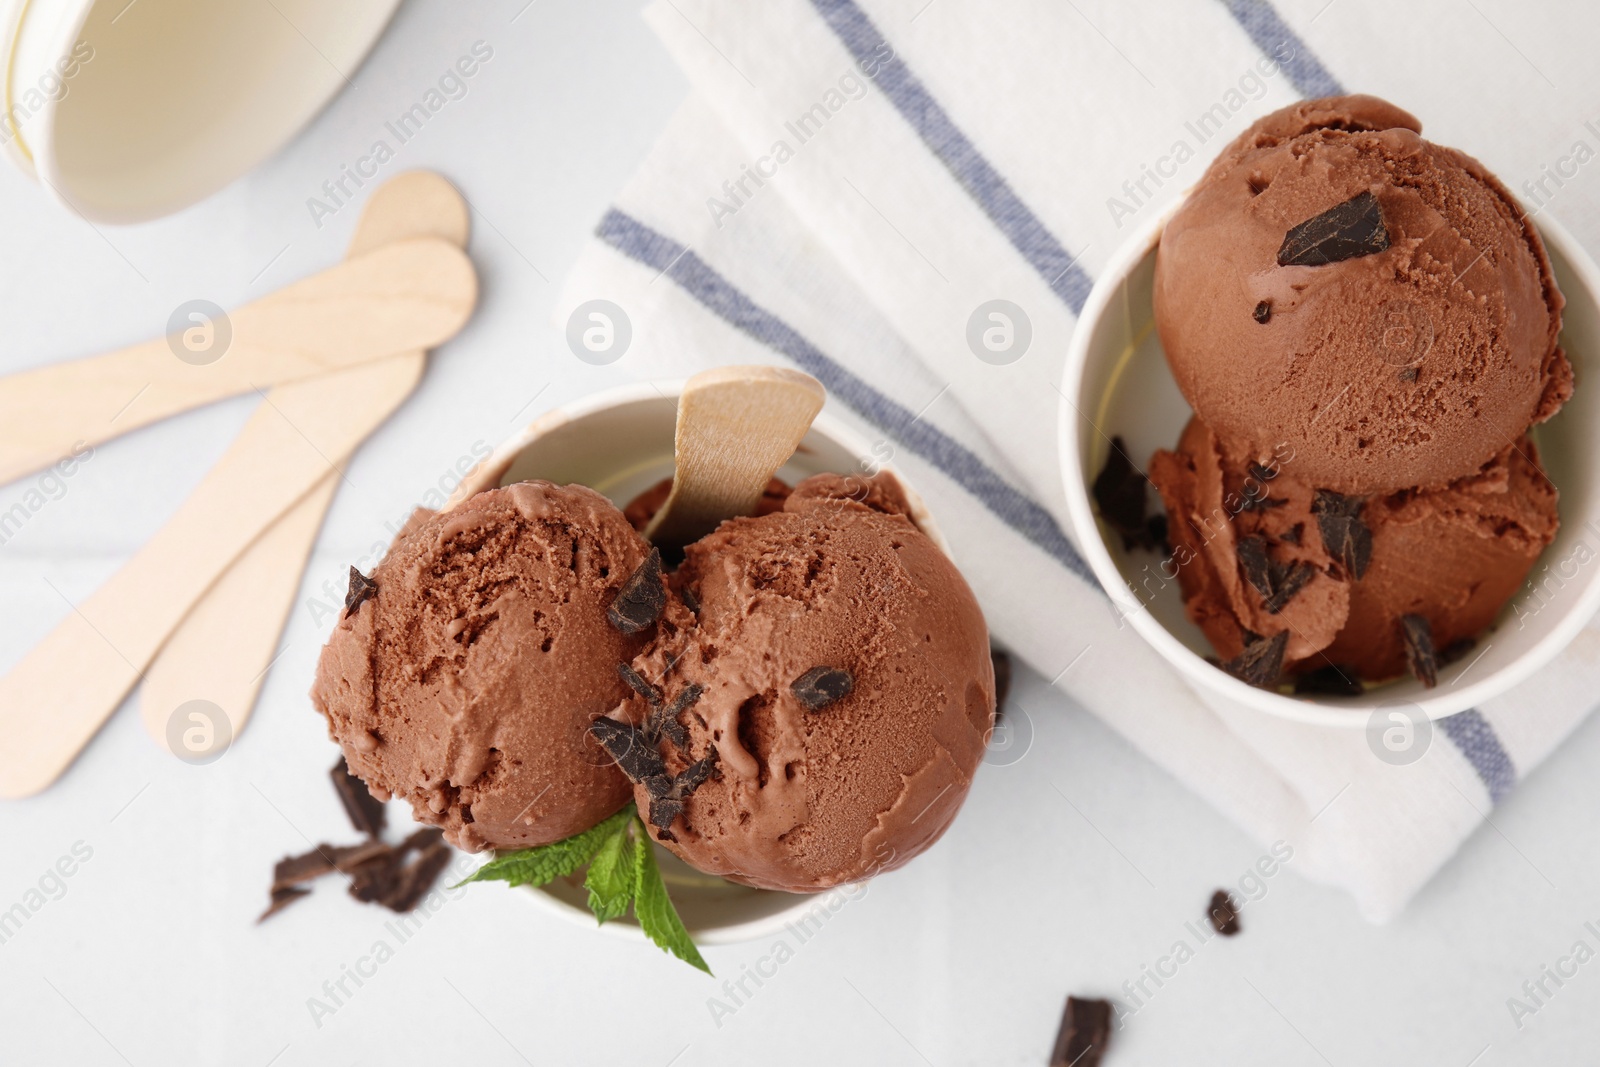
point(736, 427)
point(224, 646)
point(398, 298)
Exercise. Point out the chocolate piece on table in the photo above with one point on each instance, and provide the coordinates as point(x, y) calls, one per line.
point(1261, 662)
point(642, 598)
point(324, 859)
point(360, 591)
point(282, 897)
point(1119, 491)
point(1417, 633)
point(1085, 1031)
point(1345, 231)
point(365, 810)
point(1224, 913)
point(1345, 536)
point(1329, 681)
point(821, 686)
point(414, 882)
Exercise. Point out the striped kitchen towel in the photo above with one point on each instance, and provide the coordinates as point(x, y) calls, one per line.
point(850, 179)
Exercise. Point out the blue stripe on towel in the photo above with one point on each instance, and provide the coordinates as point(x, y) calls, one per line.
point(1476, 739)
point(639, 242)
point(975, 173)
point(1268, 30)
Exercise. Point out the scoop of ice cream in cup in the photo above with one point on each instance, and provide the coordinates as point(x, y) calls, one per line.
point(1321, 440)
point(799, 706)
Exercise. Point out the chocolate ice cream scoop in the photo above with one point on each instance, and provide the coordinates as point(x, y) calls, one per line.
point(1258, 550)
point(832, 662)
point(465, 681)
point(1376, 302)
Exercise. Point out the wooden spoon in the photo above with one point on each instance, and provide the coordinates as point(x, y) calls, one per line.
point(222, 649)
point(58, 696)
point(405, 296)
point(736, 427)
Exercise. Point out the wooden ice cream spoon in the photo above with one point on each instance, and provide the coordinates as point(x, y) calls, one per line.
point(736, 427)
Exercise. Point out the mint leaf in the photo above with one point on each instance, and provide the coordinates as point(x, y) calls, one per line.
point(654, 910)
point(610, 879)
point(536, 866)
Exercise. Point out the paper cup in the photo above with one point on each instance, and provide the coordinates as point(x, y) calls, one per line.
point(127, 111)
point(1117, 383)
point(620, 443)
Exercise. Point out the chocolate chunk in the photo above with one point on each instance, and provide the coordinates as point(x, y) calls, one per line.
point(1002, 679)
point(282, 897)
point(636, 682)
point(1344, 535)
point(1329, 681)
point(658, 785)
point(1224, 913)
point(1410, 374)
point(821, 686)
point(696, 774)
point(642, 599)
point(415, 881)
point(365, 810)
point(628, 745)
point(1252, 553)
point(1085, 1031)
point(1345, 231)
point(689, 599)
point(1120, 492)
point(1263, 311)
point(1417, 633)
point(1261, 661)
point(663, 810)
point(1286, 582)
point(669, 725)
point(360, 591)
point(324, 859)
point(1456, 650)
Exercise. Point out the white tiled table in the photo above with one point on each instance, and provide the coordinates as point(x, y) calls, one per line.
point(1067, 872)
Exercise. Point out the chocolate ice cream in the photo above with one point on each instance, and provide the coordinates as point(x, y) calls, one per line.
point(1256, 550)
point(832, 662)
point(1378, 303)
point(466, 681)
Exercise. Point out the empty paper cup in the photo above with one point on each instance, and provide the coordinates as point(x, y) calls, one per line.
point(127, 110)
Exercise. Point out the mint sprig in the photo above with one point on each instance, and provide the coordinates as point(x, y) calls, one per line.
point(622, 871)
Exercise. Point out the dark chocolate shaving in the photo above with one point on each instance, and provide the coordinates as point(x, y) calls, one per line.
point(1261, 662)
point(636, 682)
point(1224, 913)
point(1410, 374)
point(658, 785)
point(663, 810)
point(1344, 535)
point(821, 686)
point(1286, 582)
point(1263, 311)
point(365, 810)
point(1252, 553)
point(282, 897)
point(637, 758)
point(324, 859)
point(668, 804)
point(1345, 231)
point(1329, 681)
point(414, 881)
point(1417, 634)
point(1084, 1034)
point(690, 601)
point(643, 597)
point(361, 590)
point(1002, 679)
point(1120, 492)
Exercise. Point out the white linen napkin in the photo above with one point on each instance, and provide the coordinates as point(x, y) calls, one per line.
point(851, 178)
